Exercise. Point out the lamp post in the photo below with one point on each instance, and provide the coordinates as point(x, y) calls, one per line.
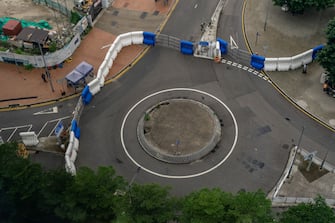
point(46, 69)
point(295, 153)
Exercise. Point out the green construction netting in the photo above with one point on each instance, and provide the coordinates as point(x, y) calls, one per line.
point(25, 23)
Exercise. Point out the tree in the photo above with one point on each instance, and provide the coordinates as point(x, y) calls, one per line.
point(299, 6)
point(326, 57)
point(21, 184)
point(250, 207)
point(150, 203)
point(92, 196)
point(216, 206)
point(317, 212)
point(206, 205)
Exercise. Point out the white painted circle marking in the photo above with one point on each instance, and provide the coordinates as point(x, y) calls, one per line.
point(178, 176)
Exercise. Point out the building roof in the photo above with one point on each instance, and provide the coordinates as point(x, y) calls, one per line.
point(33, 35)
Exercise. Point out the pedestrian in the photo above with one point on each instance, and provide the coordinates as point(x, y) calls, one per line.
point(43, 77)
point(304, 69)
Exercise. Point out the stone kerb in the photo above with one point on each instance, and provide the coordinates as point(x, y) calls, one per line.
point(162, 155)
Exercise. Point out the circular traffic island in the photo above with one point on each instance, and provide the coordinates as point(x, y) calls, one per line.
point(179, 131)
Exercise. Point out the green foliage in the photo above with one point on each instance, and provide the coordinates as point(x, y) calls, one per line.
point(317, 212)
point(75, 17)
point(299, 6)
point(150, 204)
point(217, 206)
point(28, 67)
point(206, 206)
point(91, 196)
point(326, 57)
point(52, 47)
point(250, 207)
point(18, 51)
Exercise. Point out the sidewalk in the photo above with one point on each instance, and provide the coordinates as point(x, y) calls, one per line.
point(18, 83)
point(280, 34)
point(286, 35)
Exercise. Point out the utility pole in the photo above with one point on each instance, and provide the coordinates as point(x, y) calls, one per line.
point(46, 69)
point(296, 151)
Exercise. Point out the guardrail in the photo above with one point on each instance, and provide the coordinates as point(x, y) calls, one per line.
point(284, 63)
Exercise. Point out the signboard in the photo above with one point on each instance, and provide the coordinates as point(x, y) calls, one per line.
point(59, 129)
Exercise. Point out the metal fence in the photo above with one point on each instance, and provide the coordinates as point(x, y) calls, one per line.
point(168, 41)
point(55, 5)
point(239, 55)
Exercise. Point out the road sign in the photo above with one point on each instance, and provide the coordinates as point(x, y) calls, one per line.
point(59, 129)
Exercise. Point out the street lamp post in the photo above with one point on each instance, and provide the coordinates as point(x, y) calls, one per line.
point(295, 153)
point(46, 69)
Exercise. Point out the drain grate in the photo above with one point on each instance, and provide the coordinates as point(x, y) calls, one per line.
point(115, 13)
point(143, 15)
point(113, 23)
point(126, 4)
point(155, 13)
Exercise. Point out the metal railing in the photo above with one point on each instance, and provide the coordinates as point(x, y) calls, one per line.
point(168, 41)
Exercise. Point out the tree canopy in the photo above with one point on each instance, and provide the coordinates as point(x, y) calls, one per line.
point(28, 193)
point(326, 57)
point(317, 212)
point(299, 6)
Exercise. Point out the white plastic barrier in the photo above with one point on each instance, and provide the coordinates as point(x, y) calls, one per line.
point(76, 144)
point(113, 52)
point(284, 63)
point(270, 64)
point(137, 37)
point(297, 61)
point(73, 156)
point(307, 57)
point(104, 68)
point(94, 86)
point(125, 39)
point(29, 138)
point(117, 44)
point(102, 81)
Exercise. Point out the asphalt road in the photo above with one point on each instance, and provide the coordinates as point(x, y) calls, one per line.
point(268, 125)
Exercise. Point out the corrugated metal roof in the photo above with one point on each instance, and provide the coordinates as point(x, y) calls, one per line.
point(33, 35)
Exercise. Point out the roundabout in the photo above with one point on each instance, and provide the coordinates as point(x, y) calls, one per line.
point(176, 129)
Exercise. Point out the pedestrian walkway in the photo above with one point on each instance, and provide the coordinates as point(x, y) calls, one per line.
point(272, 32)
point(20, 87)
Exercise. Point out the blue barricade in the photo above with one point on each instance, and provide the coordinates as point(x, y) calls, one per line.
point(257, 61)
point(86, 95)
point(149, 38)
point(316, 50)
point(223, 46)
point(74, 125)
point(186, 47)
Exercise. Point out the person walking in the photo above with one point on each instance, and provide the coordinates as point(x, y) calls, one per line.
point(44, 77)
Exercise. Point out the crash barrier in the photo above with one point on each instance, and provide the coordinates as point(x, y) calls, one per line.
point(29, 138)
point(186, 47)
point(257, 61)
point(93, 87)
point(286, 63)
point(72, 148)
point(223, 46)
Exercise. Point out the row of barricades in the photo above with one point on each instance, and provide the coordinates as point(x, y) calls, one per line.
point(72, 148)
point(93, 87)
point(284, 63)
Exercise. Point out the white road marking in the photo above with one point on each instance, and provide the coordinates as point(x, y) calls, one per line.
point(178, 176)
point(52, 110)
